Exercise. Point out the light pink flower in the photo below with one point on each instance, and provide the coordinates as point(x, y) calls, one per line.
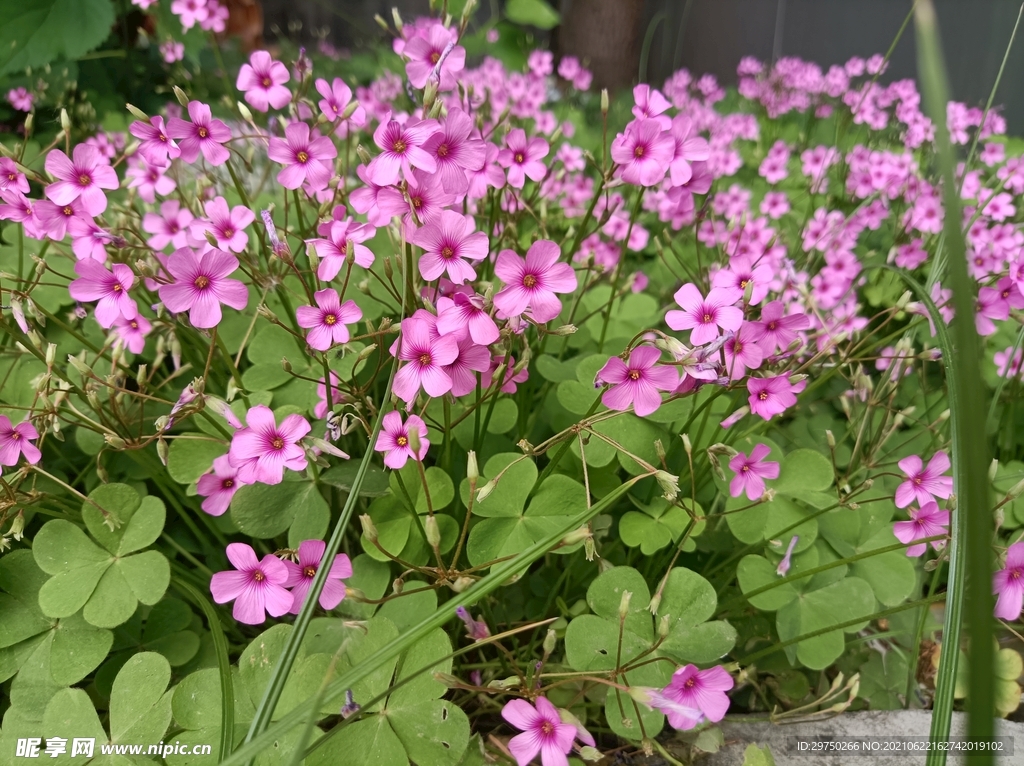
point(200, 285)
point(16, 441)
point(190, 12)
point(155, 145)
point(637, 382)
point(464, 316)
point(257, 587)
point(425, 51)
point(12, 179)
point(203, 134)
point(643, 152)
point(522, 158)
point(20, 99)
point(926, 521)
point(306, 156)
point(705, 315)
point(300, 576)
point(532, 283)
point(109, 288)
point(751, 472)
point(401, 150)
point(700, 690)
point(227, 226)
point(1008, 584)
point(772, 396)
point(217, 488)
point(688, 148)
point(544, 732)
point(447, 243)
point(169, 227)
point(262, 80)
point(320, 409)
point(151, 180)
point(262, 451)
point(327, 321)
point(471, 359)
point(88, 240)
point(742, 352)
point(787, 561)
point(336, 98)
point(393, 439)
point(54, 219)
point(84, 177)
point(455, 153)
point(132, 332)
point(426, 355)
point(924, 484)
point(343, 236)
point(172, 51)
point(777, 331)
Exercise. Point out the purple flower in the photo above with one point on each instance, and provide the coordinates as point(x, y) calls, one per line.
point(262, 80)
point(446, 244)
point(109, 288)
point(11, 178)
point(751, 472)
point(132, 332)
point(703, 691)
point(705, 315)
point(924, 484)
point(426, 354)
point(637, 382)
point(306, 156)
point(227, 225)
point(218, 487)
point(200, 285)
point(532, 283)
point(262, 451)
point(336, 98)
point(85, 177)
point(455, 152)
point(257, 587)
point(156, 147)
point(926, 521)
point(1008, 584)
point(16, 440)
point(776, 331)
point(343, 236)
point(772, 396)
point(425, 52)
point(475, 629)
point(472, 358)
point(300, 576)
point(203, 134)
point(742, 352)
point(523, 158)
point(544, 732)
point(643, 152)
point(393, 439)
point(688, 148)
point(464, 316)
point(169, 227)
point(401, 150)
point(328, 319)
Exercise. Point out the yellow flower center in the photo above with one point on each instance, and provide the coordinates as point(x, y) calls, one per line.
point(330, 319)
point(401, 441)
point(203, 133)
point(302, 157)
point(202, 282)
point(278, 443)
point(529, 281)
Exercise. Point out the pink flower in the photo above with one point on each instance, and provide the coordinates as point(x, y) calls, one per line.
point(446, 244)
point(172, 51)
point(110, 288)
point(88, 240)
point(700, 690)
point(336, 98)
point(262, 80)
point(150, 180)
point(257, 587)
point(742, 275)
point(132, 332)
point(688, 148)
point(464, 316)
point(227, 226)
point(544, 732)
point(471, 359)
point(751, 472)
point(262, 451)
point(154, 146)
point(926, 521)
point(83, 177)
point(13, 179)
point(401, 150)
point(393, 439)
point(776, 331)
point(300, 576)
point(327, 321)
point(190, 12)
point(54, 219)
point(425, 52)
point(455, 152)
point(705, 315)
point(643, 152)
point(16, 440)
point(523, 158)
point(426, 355)
point(742, 352)
point(200, 285)
point(532, 283)
point(787, 561)
point(20, 99)
point(638, 382)
point(204, 134)
point(924, 484)
point(320, 410)
point(218, 487)
point(306, 156)
point(170, 227)
point(333, 252)
point(772, 396)
point(1008, 584)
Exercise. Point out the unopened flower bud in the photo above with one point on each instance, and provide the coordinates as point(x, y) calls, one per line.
point(369, 529)
point(472, 471)
point(398, 586)
point(447, 679)
point(566, 329)
point(79, 365)
point(589, 548)
point(592, 754)
point(18, 528)
point(686, 444)
point(161, 423)
point(115, 441)
point(664, 626)
point(397, 19)
point(830, 439)
point(716, 466)
point(550, 640)
point(365, 353)
point(244, 111)
point(180, 95)
point(672, 346)
point(30, 121)
point(137, 113)
point(748, 291)
point(285, 364)
point(432, 531)
point(51, 353)
point(381, 22)
point(1016, 490)
point(162, 451)
point(904, 300)
point(485, 490)
point(461, 584)
point(576, 536)
point(604, 101)
point(414, 442)
point(364, 156)
point(624, 604)
point(65, 121)
point(669, 484)
point(723, 450)
point(992, 468)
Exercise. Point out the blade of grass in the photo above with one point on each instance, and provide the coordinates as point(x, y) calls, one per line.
point(970, 571)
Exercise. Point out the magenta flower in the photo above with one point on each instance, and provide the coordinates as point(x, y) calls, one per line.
point(425, 51)
point(336, 98)
point(643, 152)
point(544, 732)
point(475, 629)
point(751, 472)
point(393, 439)
point(155, 145)
point(85, 177)
point(924, 484)
point(426, 354)
point(705, 315)
point(343, 236)
point(151, 180)
point(88, 240)
point(700, 690)
point(20, 99)
point(688, 148)
point(471, 359)
point(262, 80)
point(13, 179)
point(257, 587)
point(109, 288)
point(455, 153)
point(320, 409)
point(532, 283)
point(200, 285)
point(926, 521)
point(401, 150)
point(638, 382)
point(262, 451)
point(300, 576)
point(1008, 584)
point(203, 134)
point(447, 243)
point(523, 158)
point(306, 156)
point(218, 487)
point(464, 316)
point(169, 227)
point(772, 396)
point(16, 440)
point(327, 321)
point(742, 352)
point(787, 561)
point(227, 225)
point(54, 219)
point(132, 332)
point(776, 331)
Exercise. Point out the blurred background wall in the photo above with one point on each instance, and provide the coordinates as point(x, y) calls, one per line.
point(712, 35)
